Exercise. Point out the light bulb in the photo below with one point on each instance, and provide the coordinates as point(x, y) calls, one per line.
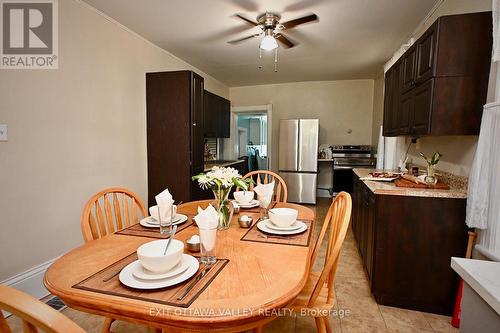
point(268, 43)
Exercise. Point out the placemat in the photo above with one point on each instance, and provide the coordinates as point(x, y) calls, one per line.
point(139, 230)
point(107, 282)
point(255, 235)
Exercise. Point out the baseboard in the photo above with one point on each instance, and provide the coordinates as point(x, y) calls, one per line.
point(31, 281)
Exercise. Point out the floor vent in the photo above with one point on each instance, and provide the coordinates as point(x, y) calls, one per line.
point(55, 303)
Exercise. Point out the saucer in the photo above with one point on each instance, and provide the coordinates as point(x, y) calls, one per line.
point(262, 226)
point(150, 222)
point(141, 273)
point(127, 277)
point(295, 225)
point(251, 204)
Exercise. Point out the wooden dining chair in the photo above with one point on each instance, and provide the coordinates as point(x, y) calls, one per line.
point(110, 210)
point(33, 313)
point(266, 177)
point(317, 298)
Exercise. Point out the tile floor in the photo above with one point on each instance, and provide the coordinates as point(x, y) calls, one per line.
point(363, 314)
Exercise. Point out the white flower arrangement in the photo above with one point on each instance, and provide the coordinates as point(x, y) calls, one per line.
point(221, 178)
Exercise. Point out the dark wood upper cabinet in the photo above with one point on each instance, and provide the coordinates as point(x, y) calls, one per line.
point(174, 103)
point(217, 113)
point(409, 61)
point(443, 79)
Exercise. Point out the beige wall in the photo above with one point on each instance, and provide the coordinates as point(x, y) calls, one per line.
point(340, 106)
point(458, 151)
point(72, 132)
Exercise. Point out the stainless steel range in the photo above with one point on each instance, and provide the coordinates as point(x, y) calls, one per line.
point(346, 158)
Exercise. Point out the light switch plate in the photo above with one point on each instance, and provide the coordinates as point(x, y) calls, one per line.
point(3, 132)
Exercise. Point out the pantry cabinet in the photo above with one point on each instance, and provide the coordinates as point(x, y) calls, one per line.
point(439, 85)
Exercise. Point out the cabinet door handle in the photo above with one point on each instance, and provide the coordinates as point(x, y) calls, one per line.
point(194, 124)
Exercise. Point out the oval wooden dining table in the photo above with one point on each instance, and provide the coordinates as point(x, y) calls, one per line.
point(259, 279)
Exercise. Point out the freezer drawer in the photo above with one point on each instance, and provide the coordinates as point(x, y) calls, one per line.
point(301, 186)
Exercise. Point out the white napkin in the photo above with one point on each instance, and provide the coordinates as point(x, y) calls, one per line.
point(165, 202)
point(265, 192)
point(208, 218)
point(207, 221)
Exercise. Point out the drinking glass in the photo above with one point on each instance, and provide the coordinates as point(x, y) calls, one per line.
point(166, 225)
point(208, 243)
point(264, 203)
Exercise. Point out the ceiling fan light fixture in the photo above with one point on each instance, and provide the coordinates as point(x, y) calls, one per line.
point(268, 43)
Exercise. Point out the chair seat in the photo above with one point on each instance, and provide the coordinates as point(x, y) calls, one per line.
point(321, 304)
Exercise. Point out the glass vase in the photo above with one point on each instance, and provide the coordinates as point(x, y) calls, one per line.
point(430, 178)
point(224, 207)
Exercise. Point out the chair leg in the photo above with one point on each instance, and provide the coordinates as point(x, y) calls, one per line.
point(327, 324)
point(320, 325)
point(106, 327)
point(259, 329)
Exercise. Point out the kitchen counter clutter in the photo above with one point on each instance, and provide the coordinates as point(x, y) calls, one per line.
point(481, 295)
point(458, 187)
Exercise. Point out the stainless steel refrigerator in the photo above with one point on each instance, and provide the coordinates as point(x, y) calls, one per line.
point(298, 158)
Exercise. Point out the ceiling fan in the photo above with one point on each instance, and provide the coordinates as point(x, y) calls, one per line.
point(272, 29)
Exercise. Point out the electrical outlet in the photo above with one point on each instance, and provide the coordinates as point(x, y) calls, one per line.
point(3, 132)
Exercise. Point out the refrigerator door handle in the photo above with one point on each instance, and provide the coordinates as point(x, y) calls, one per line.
point(299, 135)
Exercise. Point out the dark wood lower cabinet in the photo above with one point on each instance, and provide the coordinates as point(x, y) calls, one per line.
point(406, 244)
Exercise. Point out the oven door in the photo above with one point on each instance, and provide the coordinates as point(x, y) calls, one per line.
point(343, 163)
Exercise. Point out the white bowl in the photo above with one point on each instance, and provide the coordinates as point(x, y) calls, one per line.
point(283, 217)
point(153, 212)
point(151, 255)
point(243, 197)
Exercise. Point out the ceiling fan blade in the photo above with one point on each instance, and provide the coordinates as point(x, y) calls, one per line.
point(239, 40)
point(246, 19)
point(284, 40)
point(301, 20)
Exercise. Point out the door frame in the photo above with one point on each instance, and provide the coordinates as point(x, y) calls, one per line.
point(233, 144)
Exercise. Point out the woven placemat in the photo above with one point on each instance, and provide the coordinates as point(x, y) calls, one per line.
point(140, 231)
point(107, 282)
point(302, 239)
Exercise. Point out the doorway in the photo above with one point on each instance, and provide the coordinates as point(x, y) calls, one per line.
point(251, 135)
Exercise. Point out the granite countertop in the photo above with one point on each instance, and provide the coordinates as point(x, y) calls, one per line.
point(458, 190)
point(210, 164)
point(482, 276)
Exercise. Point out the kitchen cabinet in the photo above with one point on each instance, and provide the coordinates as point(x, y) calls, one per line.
point(406, 244)
point(175, 137)
point(217, 114)
point(439, 85)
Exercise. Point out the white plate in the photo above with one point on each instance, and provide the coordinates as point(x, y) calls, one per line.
point(251, 204)
point(127, 277)
point(141, 273)
point(270, 225)
point(262, 226)
point(150, 222)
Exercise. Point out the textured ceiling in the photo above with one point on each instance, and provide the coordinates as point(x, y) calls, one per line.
point(352, 40)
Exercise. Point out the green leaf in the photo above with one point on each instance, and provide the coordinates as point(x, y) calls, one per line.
point(240, 183)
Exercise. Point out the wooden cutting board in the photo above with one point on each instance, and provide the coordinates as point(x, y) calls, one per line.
point(401, 182)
